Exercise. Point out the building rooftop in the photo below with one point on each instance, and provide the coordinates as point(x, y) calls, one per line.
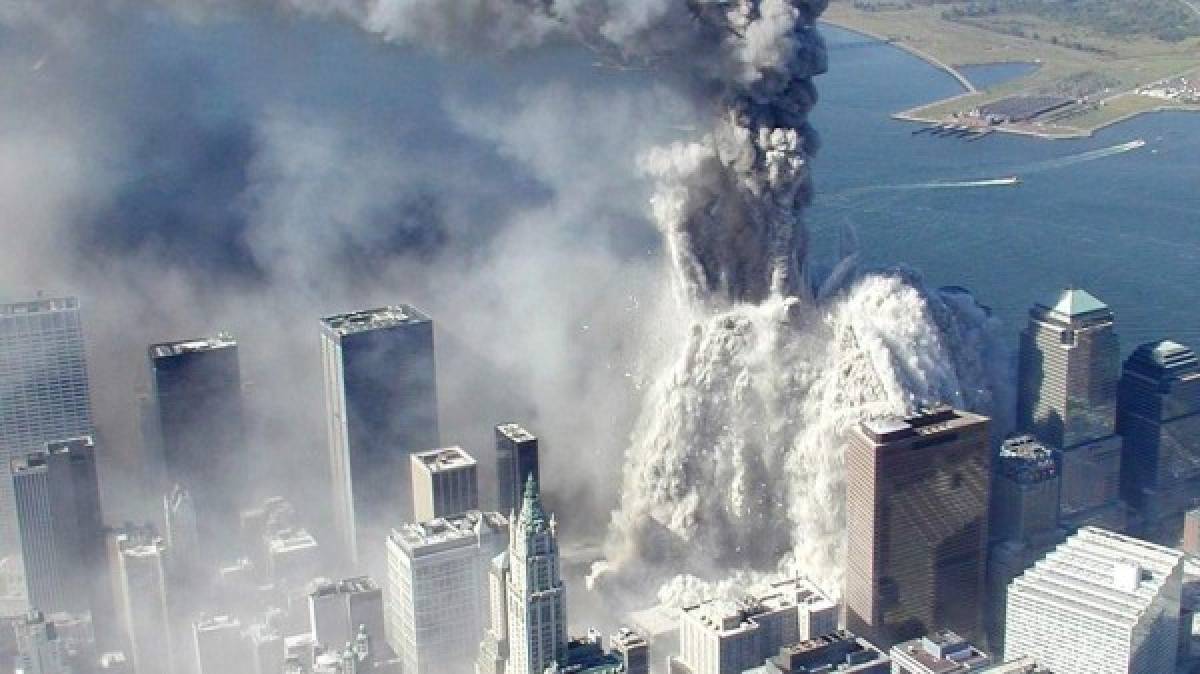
point(736, 615)
point(928, 421)
point(1026, 460)
point(627, 638)
point(423, 537)
point(168, 349)
point(1077, 302)
point(1101, 575)
point(941, 653)
point(39, 306)
point(30, 463)
point(515, 432)
point(374, 319)
point(289, 540)
point(838, 651)
point(356, 585)
point(1073, 308)
point(446, 458)
point(217, 622)
point(1164, 359)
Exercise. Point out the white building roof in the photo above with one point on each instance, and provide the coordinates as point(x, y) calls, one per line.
point(1101, 575)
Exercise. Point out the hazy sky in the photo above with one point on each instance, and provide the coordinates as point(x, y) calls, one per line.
point(189, 172)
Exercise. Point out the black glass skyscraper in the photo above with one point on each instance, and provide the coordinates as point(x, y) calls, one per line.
point(1158, 414)
point(381, 406)
point(197, 393)
point(516, 461)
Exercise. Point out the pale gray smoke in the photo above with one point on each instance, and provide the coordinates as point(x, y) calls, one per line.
point(735, 464)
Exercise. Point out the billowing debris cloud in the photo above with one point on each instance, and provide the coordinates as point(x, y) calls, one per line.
point(736, 464)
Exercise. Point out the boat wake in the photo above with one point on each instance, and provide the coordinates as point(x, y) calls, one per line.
point(1082, 157)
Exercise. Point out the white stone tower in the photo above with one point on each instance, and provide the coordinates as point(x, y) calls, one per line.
point(537, 606)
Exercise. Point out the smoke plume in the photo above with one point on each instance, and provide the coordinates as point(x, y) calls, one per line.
point(183, 196)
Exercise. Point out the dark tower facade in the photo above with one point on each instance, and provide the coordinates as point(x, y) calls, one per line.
point(516, 462)
point(381, 407)
point(1158, 415)
point(200, 427)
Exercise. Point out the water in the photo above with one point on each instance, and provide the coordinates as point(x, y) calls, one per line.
point(988, 75)
point(1123, 223)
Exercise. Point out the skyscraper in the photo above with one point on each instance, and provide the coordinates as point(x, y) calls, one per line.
point(381, 406)
point(62, 532)
point(1026, 489)
point(43, 389)
point(537, 601)
point(516, 461)
point(1067, 398)
point(917, 494)
point(437, 589)
point(1100, 603)
point(1158, 416)
point(140, 580)
point(197, 391)
point(444, 483)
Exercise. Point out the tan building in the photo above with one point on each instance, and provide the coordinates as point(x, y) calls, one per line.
point(917, 494)
point(444, 483)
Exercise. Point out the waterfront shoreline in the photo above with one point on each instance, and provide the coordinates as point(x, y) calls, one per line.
point(919, 115)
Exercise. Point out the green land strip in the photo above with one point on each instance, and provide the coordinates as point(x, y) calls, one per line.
point(1102, 73)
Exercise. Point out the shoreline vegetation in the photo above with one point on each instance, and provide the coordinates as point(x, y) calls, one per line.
point(1091, 80)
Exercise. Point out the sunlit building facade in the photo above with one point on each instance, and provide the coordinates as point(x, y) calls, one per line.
point(43, 389)
point(1069, 366)
point(917, 492)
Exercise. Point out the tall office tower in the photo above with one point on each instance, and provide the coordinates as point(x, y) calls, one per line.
point(537, 600)
point(43, 389)
point(516, 461)
point(437, 589)
point(1026, 488)
point(197, 389)
point(381, 404)
point(219, 647)
point(340, 611)
point(917, 494)
point(444, 483)
point(727, 637)
point(633, 650)
point(1067, 397)
point(62, 533)
point(39, 648)
point(1099, 603)
point(140, 581)
point(1158, 416)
